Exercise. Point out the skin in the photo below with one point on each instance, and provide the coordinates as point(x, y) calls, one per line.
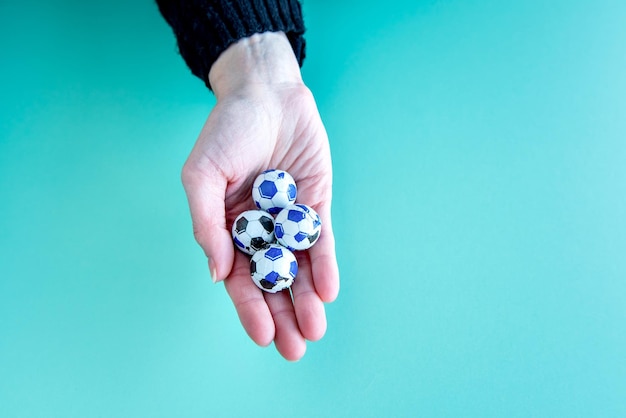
point(265, 117)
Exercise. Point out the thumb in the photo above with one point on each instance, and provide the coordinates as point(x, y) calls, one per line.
point(206, 192)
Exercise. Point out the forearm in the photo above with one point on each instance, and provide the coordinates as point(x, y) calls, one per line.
point(259, 61)
point(204, 29)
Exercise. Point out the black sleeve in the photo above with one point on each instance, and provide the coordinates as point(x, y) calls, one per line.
point(205, 28)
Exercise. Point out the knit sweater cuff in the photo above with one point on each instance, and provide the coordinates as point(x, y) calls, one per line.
point(206, 28)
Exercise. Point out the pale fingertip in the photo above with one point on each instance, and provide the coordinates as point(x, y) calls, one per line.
point(258, 331)
point(298, 356)
point(294, 353)
point(311, 316)
point(213, 270)
point(324, 265)
point(317, 331)
point(253, 312)
point(329, 293)
point(288, 340)
point(326, 281)
point(308, 305)
point(262, 341)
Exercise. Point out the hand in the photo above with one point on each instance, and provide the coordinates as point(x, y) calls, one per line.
point(265, 117)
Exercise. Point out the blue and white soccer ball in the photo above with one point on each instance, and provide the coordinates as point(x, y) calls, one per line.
point(273, 268)
point(273, 190)
point(297, 227)
point(253, 230)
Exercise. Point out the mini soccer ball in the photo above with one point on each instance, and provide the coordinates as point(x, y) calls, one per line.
point(273, 268)
point(273, 190)
point(297, 227)
point(253, 230)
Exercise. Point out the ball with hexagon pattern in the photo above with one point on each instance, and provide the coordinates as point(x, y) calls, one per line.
point(273, 190)
point(253, 230)
point(273, 268)
point(297, 227)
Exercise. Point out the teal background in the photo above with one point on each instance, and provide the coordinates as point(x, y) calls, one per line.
point(479, 152)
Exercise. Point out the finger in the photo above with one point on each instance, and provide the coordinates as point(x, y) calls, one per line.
point(323, 258)
point(253, 311)
point(206, 192)
point(308, 306)
point(288, 340)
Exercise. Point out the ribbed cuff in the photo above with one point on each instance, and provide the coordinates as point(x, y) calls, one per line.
point(205, 28)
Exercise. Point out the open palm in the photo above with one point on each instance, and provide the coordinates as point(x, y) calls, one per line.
point(246, 133)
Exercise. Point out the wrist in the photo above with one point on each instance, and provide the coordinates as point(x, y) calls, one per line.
point(259, 61)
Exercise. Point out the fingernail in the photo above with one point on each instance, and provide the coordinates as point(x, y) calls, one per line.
point(212, 270)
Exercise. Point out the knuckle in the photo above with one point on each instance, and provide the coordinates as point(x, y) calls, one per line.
point(188, 173)
point(199, 234)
